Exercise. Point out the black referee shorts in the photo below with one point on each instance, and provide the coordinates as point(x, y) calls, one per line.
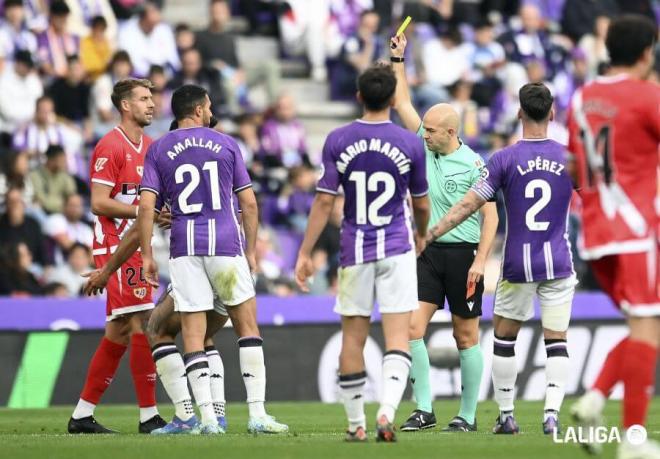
point(442, 272)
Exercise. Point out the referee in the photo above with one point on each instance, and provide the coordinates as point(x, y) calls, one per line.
point(452, 267)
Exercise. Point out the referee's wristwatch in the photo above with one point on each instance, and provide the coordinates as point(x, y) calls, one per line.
point(397, 59)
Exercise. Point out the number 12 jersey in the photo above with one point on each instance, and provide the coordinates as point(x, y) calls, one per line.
point(376, 163)
point(537, 193)
point(197, 171)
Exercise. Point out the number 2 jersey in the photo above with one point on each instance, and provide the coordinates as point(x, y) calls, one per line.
point(376, 163)
point(614, 128)
point(537, 192)
point(197, 170)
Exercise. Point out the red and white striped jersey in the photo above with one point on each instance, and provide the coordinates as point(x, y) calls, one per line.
point(118, 163)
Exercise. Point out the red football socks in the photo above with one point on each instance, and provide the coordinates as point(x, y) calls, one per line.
point(638, 374)
point(101, 370)
point(143, 370)
point(610, 373)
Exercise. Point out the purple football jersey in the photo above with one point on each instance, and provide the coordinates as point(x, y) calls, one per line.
point(537, 194)
point(375, 163)
point(197, 171)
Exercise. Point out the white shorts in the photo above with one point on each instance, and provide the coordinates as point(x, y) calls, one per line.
point(516, 301)
point(217, 304)
point(198, 283)
point(392, 282)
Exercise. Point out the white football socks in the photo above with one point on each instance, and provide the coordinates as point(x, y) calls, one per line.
point(197, 369)
point(217, 380)
point(351, 387)
point(172, 373)
point(251, 356)
point(396, 367)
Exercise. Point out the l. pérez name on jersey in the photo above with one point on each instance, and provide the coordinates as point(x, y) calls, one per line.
point(190, 142)
point(397, 156)
point(540, 164)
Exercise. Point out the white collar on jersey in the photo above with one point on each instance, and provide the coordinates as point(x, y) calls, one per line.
point(373, 122)
point(535, 140)
point(138, 148)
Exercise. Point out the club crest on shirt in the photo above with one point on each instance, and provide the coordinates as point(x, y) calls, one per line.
point(100, 164)
point(140, 292)
point(450, 186)
point(484, 173)
point(139, 170)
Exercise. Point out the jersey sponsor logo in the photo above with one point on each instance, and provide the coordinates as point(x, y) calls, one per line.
point(450, 186)
point(100, 164)
point(321, 172)
point(139, 170)
point(140, 292)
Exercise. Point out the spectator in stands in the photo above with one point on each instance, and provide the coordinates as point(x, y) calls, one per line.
point(283, 136)
point(593, 46)
point(529, 41)
point(247, 137)
point(57, 42)
point(307, 28)
point(68, 228)
point(20, 87)
point(71, 94)
point(358, 52)
point(485, 57)
point(14, 174)
point(347, 15)
point(78, 262)
point(16, 226)
point(149, 40)
point(269, 262)
point(52, 183)
point(96, 49)
point(36, 14)
point(184, 37)
point(217, 44)
point(193, 72)
point(35, 137)
point(104, 116)
point(14, 33)
point(467, 111)
point(15, 276)
point(83, 13)
point(445, 60)
point(162, 119)
point(296, 198)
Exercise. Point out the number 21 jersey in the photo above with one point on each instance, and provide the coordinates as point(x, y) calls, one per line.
point(197, 170)
point(376, 163)
point(537, 193)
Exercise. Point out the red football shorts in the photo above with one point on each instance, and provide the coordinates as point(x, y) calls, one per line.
point(127, 290)
point(632, 281)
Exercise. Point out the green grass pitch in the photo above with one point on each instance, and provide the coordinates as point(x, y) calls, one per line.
point(316, 432)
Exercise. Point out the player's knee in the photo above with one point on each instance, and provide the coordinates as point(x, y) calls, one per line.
point(556, 318)
point(416, 330)
point(466, 339)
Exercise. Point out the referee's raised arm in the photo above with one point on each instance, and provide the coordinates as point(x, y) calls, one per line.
point(402, 100)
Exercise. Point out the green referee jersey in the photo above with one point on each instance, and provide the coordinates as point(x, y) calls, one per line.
point(450, 177)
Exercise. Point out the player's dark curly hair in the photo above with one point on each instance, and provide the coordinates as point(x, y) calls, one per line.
point(377, 85)
point(535, 101)
point(628, 36)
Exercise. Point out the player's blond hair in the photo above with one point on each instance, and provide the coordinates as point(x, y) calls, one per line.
point(124, 88)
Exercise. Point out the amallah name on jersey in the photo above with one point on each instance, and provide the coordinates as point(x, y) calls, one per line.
point(540, 164)
point(190, 142)
point(397, 156)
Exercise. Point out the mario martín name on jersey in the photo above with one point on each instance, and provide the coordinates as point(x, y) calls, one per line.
point(540, 164)
point(399, 158)
point(190, 142)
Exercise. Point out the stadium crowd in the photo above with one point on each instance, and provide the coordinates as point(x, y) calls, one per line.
point(59, 60)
